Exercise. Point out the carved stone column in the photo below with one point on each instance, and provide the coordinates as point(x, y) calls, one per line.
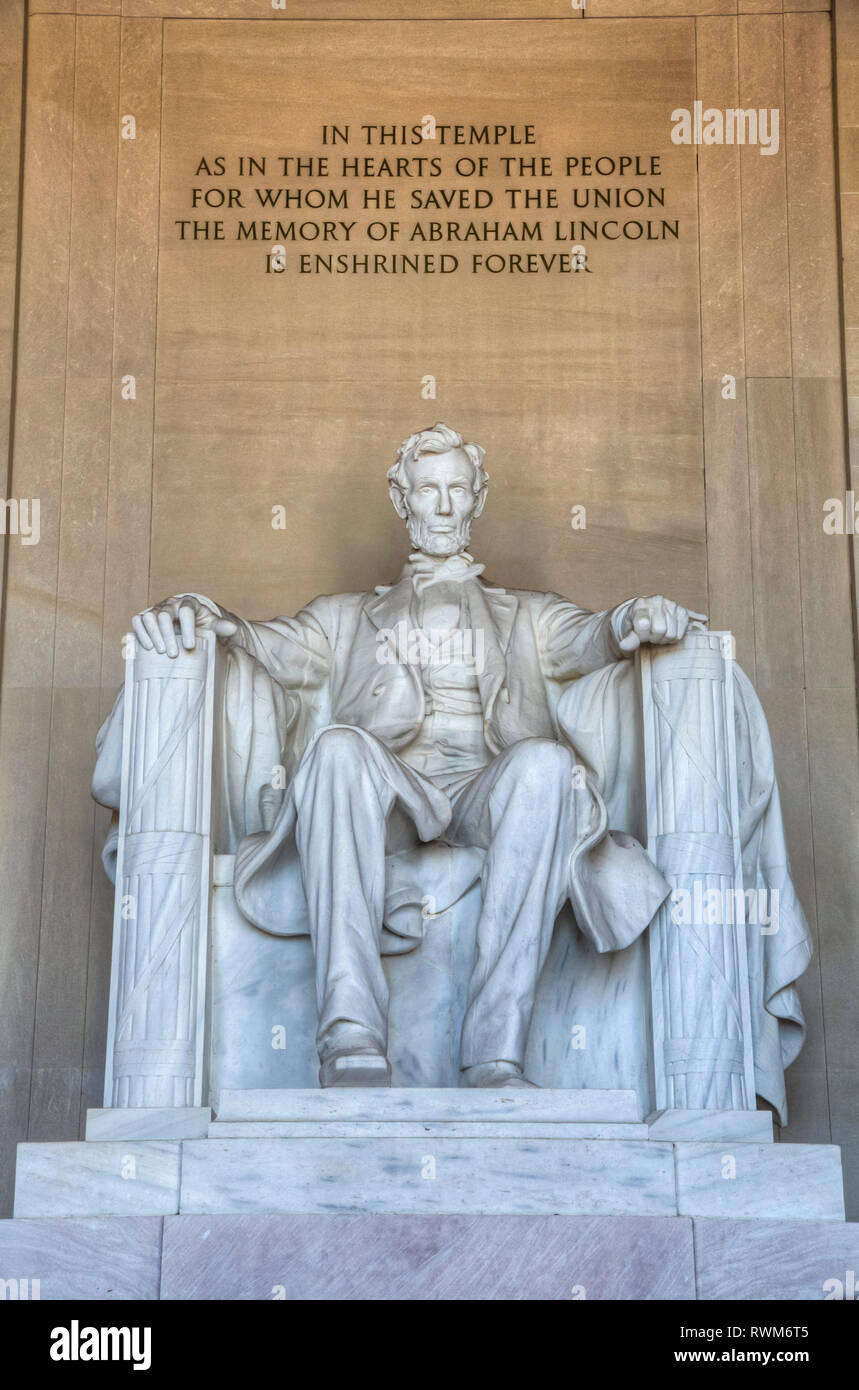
point(157, 1024)
point(702, 1044)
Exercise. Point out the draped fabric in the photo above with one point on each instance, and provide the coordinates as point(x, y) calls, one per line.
point(598, 715)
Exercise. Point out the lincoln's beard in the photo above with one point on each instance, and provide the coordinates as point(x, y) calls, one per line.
point(441, 543)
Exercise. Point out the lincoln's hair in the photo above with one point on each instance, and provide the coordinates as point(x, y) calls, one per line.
point(438, 440)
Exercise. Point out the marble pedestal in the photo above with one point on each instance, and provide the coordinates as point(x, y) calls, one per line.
point(431, 1151)
point(428, 1193)
point(454, 1257)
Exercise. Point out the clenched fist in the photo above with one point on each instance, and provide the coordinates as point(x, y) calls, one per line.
point(157, 626)
point(656, 620)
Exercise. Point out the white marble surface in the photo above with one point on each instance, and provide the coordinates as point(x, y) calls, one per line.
point(164, 1122)
point(428, 1175)
point(701, 1018)
point(414, 1129)
point(97, 1179)
point(156, 1034)
point(505, 1157)
point(427, 1103)
point(781, 1181)
point(753, 1126)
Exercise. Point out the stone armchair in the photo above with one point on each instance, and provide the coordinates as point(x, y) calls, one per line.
point(202, 1002)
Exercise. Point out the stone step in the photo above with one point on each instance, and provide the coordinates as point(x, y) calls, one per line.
point(512, 1175)
point(151, 1122)
point(428, 1174)
point(718, 1126)
point(431, 1173)
point(427, 1104)
point(416, 1129)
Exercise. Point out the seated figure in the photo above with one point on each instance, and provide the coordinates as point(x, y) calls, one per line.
point(443, 708)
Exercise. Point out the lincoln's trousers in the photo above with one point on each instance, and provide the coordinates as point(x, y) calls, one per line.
point(522, 808)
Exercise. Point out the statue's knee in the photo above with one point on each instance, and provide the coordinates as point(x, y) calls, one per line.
point(541, 765)
point(338, 745)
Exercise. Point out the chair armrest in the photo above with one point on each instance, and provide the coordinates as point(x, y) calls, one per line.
point(156, 1027)
point(702, 1038)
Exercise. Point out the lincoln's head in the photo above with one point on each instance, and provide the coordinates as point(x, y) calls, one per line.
point(438, 486)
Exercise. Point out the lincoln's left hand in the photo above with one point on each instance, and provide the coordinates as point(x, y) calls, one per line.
point(656, 620)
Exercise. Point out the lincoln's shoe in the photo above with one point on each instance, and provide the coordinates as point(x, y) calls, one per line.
point(496, 1074)
point(355, 1068)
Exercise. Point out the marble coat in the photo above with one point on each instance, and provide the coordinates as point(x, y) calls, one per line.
point(327, 658)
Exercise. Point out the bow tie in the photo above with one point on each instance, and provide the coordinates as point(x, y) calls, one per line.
point(457, 569)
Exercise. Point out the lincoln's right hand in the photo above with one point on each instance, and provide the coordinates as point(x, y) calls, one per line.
point(157, 627)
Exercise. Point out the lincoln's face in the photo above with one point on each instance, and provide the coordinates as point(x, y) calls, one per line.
point(441, 502)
